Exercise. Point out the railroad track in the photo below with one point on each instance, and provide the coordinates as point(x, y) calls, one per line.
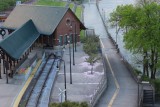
point(36, 89)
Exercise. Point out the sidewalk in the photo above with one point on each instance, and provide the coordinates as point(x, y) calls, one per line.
point(84, 83)
point(122, 89)
point(9, 92)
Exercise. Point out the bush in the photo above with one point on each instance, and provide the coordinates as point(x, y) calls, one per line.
point(82, 36)
point(137, 72)
point(91, 45)
point(156, 83)
point(69, 104)
point(5, 4)
point(145, 78)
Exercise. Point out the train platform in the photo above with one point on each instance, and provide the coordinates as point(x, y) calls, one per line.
point(10, 91)
point(84, 83)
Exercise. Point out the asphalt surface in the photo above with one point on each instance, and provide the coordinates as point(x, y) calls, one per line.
point(122, 89)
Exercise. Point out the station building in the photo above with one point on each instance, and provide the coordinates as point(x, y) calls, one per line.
point(30, 26)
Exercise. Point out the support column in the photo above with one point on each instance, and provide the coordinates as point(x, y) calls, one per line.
point(4, 57)
point(5, 66)
point(1, 66)
point(14, 63)
point(0, 71)
point(8, 67)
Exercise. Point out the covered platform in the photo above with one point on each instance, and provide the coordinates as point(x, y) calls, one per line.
point(14, 49)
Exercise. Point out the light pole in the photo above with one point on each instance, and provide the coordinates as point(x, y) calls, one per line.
point(72, 42)
point(116, 33)
point(70, 60)
point(73, 48)
point(70, 24)
point(75, 37)
point(65, 86)
point(64, 68)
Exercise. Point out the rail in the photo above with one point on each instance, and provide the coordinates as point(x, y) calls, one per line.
point(98, 92)
point(45, 82)
point(35, 80)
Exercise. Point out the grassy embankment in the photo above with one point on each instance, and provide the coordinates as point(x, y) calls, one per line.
point(6, 4)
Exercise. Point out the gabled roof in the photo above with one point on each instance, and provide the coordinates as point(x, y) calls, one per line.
point(45, 18)
point(16, 44)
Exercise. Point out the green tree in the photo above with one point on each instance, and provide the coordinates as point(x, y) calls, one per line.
point(141, 32)
point(93, 58)
point(90, 46)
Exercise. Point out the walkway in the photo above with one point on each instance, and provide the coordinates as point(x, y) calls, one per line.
point(122, 89)
point(83, 82)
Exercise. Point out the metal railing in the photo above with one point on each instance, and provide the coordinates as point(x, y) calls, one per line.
point(98, 91)
point(101, 86)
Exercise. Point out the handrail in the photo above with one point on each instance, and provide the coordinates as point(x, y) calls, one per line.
point(140, 102)
point(98, 91)
point(100, 87)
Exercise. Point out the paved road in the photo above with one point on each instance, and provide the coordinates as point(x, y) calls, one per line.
point(122, 89)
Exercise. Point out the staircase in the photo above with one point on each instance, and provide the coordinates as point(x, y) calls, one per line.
point(148, 98)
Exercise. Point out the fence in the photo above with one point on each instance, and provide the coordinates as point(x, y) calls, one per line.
point(101, 86)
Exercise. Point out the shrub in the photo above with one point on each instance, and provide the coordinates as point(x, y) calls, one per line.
point(91, 45)
point(145, 78)
point(156, 83)
point(69, 104)
point(137, 72)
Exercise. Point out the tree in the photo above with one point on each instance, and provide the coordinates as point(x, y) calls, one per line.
point(93, 58)
point(90, 47)
point(141, 32)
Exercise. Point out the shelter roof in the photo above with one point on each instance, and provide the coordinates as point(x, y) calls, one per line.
point(18, 42)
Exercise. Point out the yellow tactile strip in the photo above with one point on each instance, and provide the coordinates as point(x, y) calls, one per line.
point(18, 99)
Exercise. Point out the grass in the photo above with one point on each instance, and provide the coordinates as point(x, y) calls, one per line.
point(82, 36)
point(71, 5)
point(79, 11)
point(50, 3)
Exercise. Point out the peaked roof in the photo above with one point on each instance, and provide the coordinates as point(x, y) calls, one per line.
point(18, 42)
point(45, 18)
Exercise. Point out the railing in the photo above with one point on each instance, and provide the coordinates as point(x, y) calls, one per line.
point(98, 91)
point(102, 84)
point(140, 97)
point(127, 64)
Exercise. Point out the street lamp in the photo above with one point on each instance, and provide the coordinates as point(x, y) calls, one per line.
point(69, 23)
point(65, 86)
point(64, 68)
point(75, 37)
point(117, 30)
point(70, 60)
